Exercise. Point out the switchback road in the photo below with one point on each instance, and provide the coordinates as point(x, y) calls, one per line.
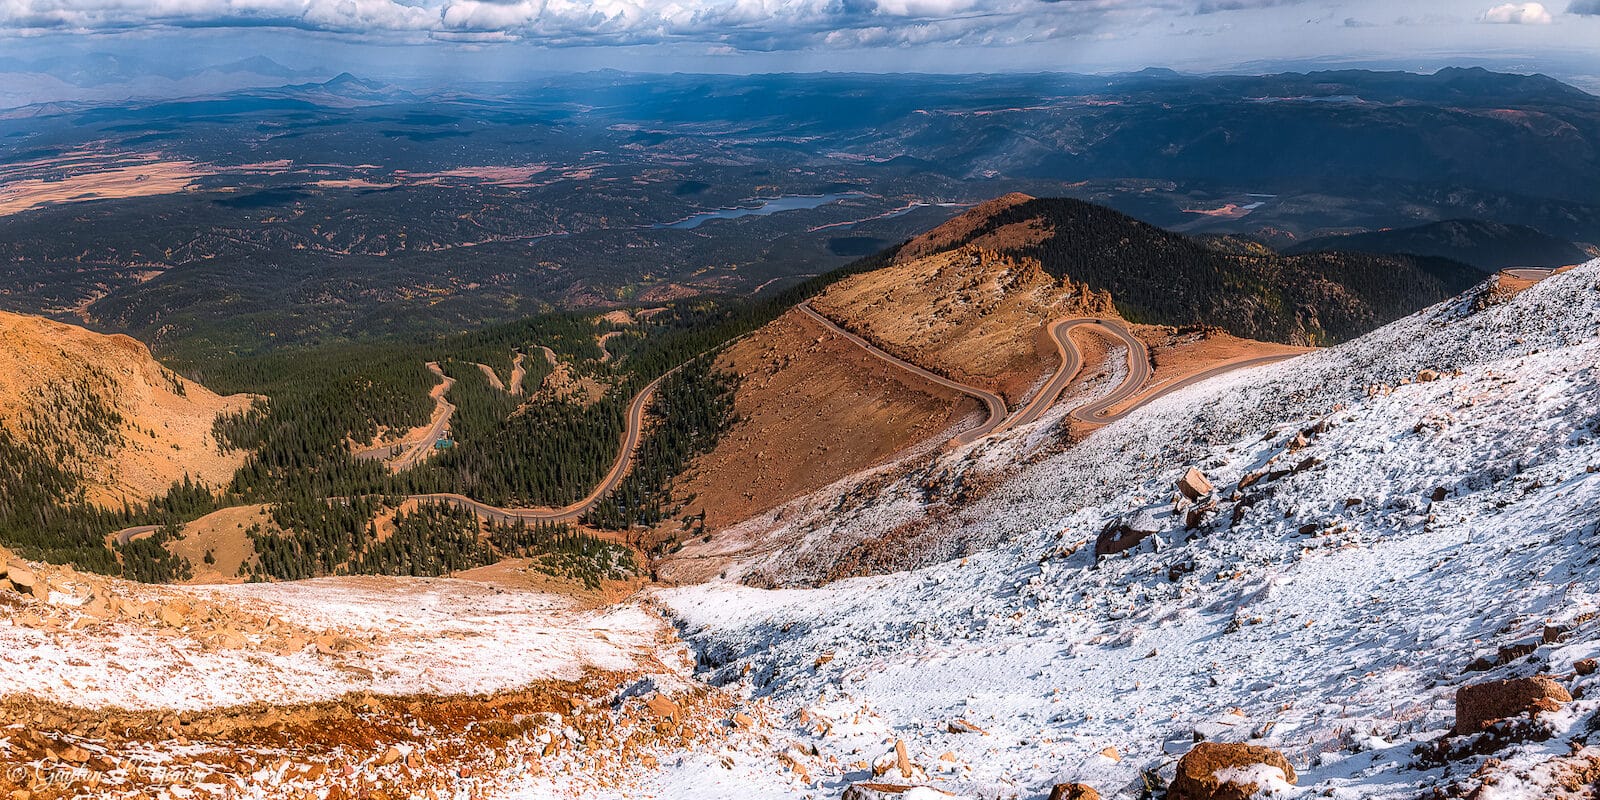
point(413, 449)
point(995, 406)
point(1098, 411)
point(619, 469)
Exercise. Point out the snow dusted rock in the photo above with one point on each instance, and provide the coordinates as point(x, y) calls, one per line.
point(1481, 704)
point(1073, 791)
point(890, 791)
point(22, 579)
point(1194, 485)
point(897, 763)
point(663, 707)
point(1127, 534)
point(1213, 771)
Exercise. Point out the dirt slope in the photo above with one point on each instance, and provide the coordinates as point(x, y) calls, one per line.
point(971, 228)
point(812, 408)
point(59, 382)
point(970, 314)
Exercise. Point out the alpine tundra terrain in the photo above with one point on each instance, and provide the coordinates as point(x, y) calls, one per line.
point(1357, 572)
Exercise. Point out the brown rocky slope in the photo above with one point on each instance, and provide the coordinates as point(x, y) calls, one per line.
point(106, 409)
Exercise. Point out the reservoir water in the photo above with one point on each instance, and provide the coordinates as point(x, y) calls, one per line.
point(768, 207)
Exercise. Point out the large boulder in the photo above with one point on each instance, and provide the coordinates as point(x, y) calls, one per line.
point(1217, 771)
point(1126, 534)
point(1481, 704)
point(1073, 791)
point(23, 580)
point(1194, 485)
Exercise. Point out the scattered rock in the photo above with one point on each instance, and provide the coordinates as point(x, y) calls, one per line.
point(963, 726)
point(171, 615)
point(796, 764)
point(70, 753)
point(743, 720)
point(1216, 771)
point(1511, 652)
point(1073, 791)
point(1479, 705)
point(1194, 485)
point(1585, 666)
point(328, 644)
point(902, 759)
point(1196, 515)
point(890, 791)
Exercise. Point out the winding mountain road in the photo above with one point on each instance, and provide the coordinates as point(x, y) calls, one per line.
point(134, 534)
point(1072, 364)
point(1529, 273)
point(1099, 411)
point(415, 447)
point(991, 401)
point(443, 411)
point(634, 423)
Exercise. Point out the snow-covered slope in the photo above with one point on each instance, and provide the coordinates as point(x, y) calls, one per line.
point(1370, 543)
point(98, 642)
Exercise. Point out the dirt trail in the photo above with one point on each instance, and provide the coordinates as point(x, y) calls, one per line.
point(519, 371)
point(492, 377)
point(605, 355)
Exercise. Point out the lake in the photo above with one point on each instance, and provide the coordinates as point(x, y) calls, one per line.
point(768, 207)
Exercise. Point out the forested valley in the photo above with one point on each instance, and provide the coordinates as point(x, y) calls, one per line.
point(541, 448)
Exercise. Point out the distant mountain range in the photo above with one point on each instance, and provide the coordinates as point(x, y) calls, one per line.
point(106, 78)
point(1486, 245)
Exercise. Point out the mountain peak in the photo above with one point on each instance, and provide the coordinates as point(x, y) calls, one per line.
point(347, 79)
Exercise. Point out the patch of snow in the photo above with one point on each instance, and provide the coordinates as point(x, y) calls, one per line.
point(1328, 611)
point(417, 636)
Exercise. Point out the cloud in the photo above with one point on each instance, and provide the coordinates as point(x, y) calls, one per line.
point(749, 25)
point(1585, 7)
point(741, 24)
point(1518, 14)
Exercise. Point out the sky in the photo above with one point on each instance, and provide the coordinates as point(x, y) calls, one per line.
point(500, 39)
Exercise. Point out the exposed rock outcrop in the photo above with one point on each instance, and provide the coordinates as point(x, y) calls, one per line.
point(1217, 771)
point(1480, 705)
